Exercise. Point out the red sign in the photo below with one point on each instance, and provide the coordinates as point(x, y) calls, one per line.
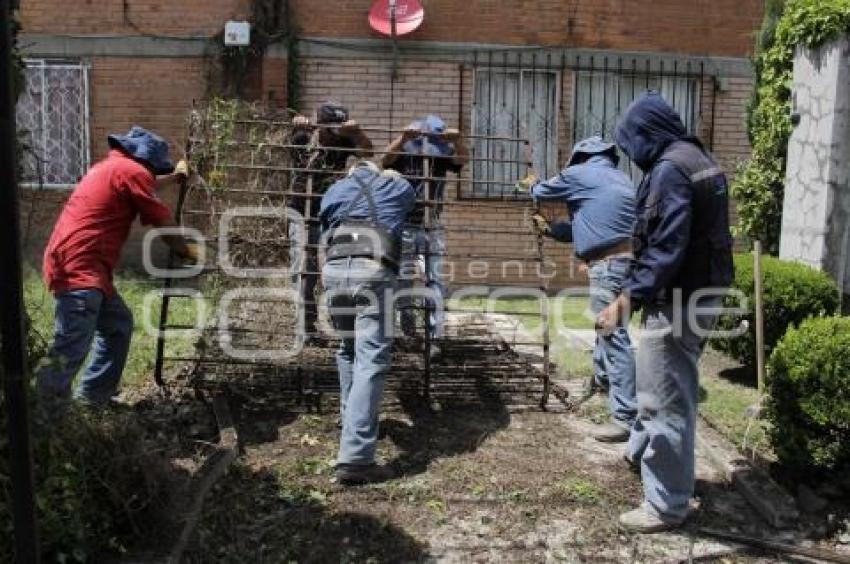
point(408, 16)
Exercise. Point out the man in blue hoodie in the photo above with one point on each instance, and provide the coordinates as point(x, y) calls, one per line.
point(683, 265)
point(601, 202)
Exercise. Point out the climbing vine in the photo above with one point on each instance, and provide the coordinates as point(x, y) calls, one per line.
point(270, 24)
point(759, 186)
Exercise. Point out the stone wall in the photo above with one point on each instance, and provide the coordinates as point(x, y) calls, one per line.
point(816, 211)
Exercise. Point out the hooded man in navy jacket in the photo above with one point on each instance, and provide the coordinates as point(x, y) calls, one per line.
point(683, 265)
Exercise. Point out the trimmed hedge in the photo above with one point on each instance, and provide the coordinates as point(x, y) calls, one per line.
point(792, 292)
point(809, 396)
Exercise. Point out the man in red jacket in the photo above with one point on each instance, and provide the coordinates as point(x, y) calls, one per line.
point(82, 253)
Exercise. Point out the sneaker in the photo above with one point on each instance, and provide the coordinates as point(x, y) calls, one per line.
point(611, 433)
point(359, 474)
point(642, 521)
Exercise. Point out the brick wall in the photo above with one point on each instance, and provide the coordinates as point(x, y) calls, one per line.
point(191, 18)
point(489, 228)
point(719, 27)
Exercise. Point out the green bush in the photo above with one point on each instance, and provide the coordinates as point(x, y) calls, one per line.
point(791, 293)
point(758, 188)
point(99, 488)
point(809, 402)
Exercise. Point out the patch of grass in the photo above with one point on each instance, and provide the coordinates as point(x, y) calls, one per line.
point(725, 405)
point(564, 312)
point(133, 289)
point(579, 489)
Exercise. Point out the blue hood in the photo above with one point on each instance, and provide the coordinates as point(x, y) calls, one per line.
point(648, 127)
point(146, 146)
point(429, 144)
point(593, 146)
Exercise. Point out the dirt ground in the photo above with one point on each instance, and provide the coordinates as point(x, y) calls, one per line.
point(485, 476)
point(480, 482)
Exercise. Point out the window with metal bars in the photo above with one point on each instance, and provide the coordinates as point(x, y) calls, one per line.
point(602, 98)
point(512, 105)
point(52, 119)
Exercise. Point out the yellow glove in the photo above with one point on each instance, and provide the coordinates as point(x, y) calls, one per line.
point(526, 183)
point(541, 226)
point(182, 168)
point(193, 253)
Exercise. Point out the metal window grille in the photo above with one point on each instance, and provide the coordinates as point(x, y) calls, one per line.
point(602, 98)
point(52, 120)
point(513, 103)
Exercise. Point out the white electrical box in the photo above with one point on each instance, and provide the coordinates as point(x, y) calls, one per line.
point(237, 34)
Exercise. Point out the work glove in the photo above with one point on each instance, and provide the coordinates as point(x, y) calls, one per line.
point(192, 254)
point(541, 226)
point(182, 168)
point(526, 183)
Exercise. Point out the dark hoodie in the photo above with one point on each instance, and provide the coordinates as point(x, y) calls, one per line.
point(682, 237)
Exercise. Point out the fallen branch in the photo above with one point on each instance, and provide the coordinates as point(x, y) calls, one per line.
point(214, 468)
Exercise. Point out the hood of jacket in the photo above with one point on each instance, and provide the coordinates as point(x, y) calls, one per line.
point(648, 126)
point(593, 146)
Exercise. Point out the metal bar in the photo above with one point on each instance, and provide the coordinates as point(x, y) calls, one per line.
point(604, 98)
point(12, 317)
point(166, 298)
point(427, 220)
point(757, 276)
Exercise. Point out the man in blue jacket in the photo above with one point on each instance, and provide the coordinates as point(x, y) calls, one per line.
point(601, 202)
point(683, 265)
point(362, 216)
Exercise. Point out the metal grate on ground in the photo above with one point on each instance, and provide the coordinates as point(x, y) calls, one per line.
point(237, 205)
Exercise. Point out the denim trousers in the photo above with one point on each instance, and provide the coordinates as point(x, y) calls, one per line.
point(83, 316)
point(663, 437)
point(613, 357)
point(423, 251)
point(307, 260)
point(356, 290)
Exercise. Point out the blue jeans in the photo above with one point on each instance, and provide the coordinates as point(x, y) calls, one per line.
point(423, 251)
point(83, 316)
point(356, 293)
point(613, 357)
point(662, 439)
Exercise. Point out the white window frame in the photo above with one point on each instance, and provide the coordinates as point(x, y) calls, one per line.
point(504, 192)
point(85, 136)
point(642, 77)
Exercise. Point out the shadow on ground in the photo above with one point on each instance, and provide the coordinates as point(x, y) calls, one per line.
point(255, 516)
point(460, 425)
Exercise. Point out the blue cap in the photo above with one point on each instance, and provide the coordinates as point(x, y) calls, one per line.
point(430, 144)
point(593, 146)
point(146, 146)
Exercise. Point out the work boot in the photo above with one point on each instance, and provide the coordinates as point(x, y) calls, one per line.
point(642, 521)
point(359, 474)
point(611, 433)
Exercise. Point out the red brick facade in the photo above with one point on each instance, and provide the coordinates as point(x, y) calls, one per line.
point(717, 27)
point(158, 91)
